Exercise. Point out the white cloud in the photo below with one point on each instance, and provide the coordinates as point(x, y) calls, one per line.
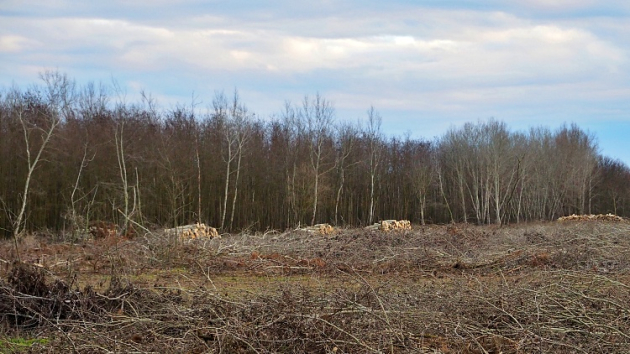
point(567, 5)
point(463, 44)
point(15, 44)
point(441, 60)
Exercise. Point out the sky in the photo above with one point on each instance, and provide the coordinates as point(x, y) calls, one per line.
point(425, 66)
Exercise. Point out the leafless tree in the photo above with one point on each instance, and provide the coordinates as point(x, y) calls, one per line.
point(372, 135)
point(346, 143)
point(235, 122)
point(422, 172)
point(162, 167)
point(122, 169)
point(294, 136)
point(73, 215)
point(319, 116)
point(60, 92)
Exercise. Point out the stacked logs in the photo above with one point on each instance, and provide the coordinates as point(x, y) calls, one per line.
point(193, 232)
point(388, 225)
point(600, 217)
point(322, 229)
point(102, 229)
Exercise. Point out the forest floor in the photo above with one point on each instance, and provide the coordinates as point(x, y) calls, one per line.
point(561, 287)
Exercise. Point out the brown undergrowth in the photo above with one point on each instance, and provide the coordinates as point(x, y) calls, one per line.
point(435, 289)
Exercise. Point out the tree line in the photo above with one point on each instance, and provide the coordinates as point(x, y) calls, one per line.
point(73, 154)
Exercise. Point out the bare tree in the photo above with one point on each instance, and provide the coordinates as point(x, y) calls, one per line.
point(60, 91)
point(242, 133)
point(375, 151)
point(319, 115)
point(294, 135)
point(122, 169)
point(346, 141)
point(579, 151)
point(234, 120)
point(221, 108)
point(441, 181)
point(422, 174)
point(132, 203)
point(504, 165)
point(614, 177)
point(78, 221)
point(93, 100)
point(156, 166)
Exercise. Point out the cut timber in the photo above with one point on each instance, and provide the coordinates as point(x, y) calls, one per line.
point(194, 231)
point(388, 225)
point(103, 229)
point(322, 229)
point(600, 217)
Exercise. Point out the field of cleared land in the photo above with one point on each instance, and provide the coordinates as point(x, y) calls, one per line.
point(561, 287)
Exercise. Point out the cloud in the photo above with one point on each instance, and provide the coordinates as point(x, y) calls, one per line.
point(451, 59)
point(557, 4)
point(15, 44)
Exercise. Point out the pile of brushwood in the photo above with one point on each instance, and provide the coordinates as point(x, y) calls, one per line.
point(457, 289)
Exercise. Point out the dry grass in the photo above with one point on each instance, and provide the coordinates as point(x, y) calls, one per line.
point(554, 287)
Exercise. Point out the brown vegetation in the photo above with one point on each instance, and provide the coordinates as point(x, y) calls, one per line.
point(553, 287)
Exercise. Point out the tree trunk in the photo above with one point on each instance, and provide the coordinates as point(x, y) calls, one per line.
point(238, 172)
point(227, 187)
point(315, 199)
point(338, 199)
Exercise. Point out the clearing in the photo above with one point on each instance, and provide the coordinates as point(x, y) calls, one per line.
point(561, 287)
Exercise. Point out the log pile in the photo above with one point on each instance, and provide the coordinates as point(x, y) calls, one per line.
point(322, 229)
point(388, 225)
point(194, 231)
point(600, 217)
point(102, 229)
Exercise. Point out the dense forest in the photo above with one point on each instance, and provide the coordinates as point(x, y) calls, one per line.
point(73, 154)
